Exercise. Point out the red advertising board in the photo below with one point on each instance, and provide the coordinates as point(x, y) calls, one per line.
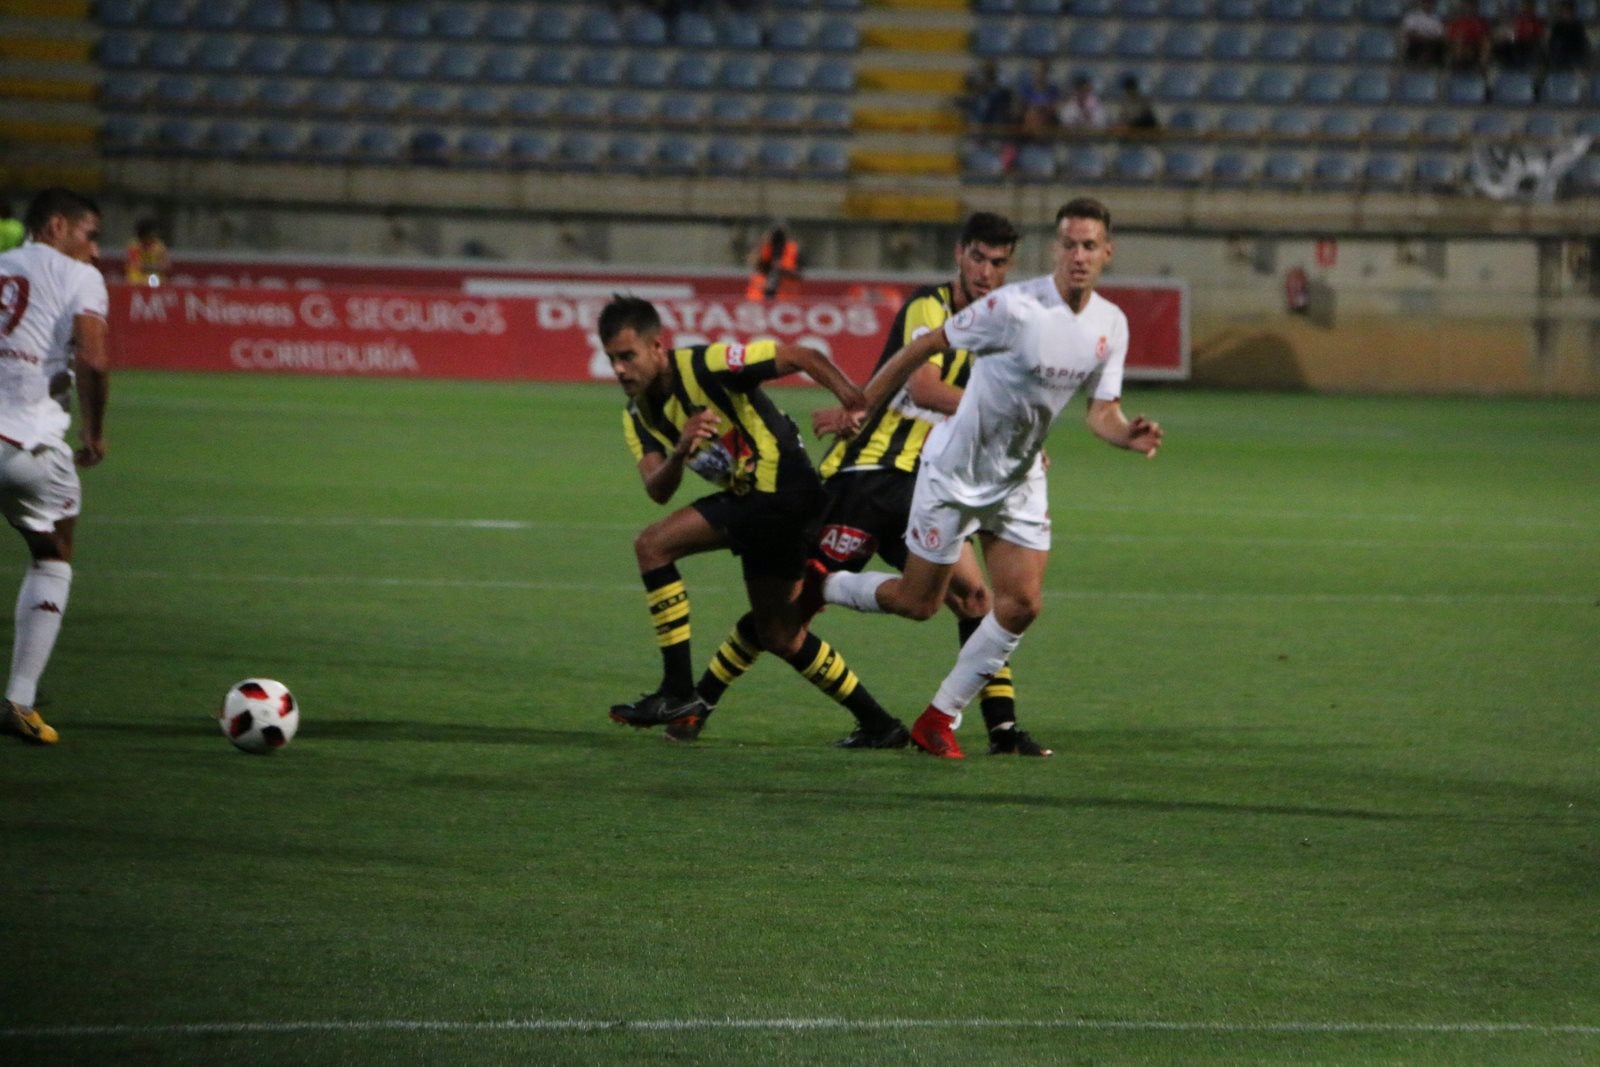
point(522, 325)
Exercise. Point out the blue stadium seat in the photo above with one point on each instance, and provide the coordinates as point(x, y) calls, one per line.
point(991, 40)
point(329, 141)
point(1240, 122)
point(1290, 124)
point(1286, 170)
point(735, 109)
point(1542, 125)
point(376, 99)
point(1085, 162)
point(1385, 171)
point(1584, 177)
point(1188, 122)
point(503, 66)
point(430, 101)
point(229, 138)
point(602, 69)
point(280, 140)
point(1417, 87)
point(628, 108)
point(727, 155)
point(1391, 126)
point(789, 33)
point(1137, 40)
point(1464, 89)
point(1327, 45)
point(830, 113)
point(363, 59)
point(778, 158)
point(459, 63)
point(1562, 88)
point(1340, 126)
point(579, 151)
point(1232, 44)
point(1383, 12)
point(480, 147)
point(1038, 40)
point(1323, 86)
point(1233, 169)
point(228, 94)
point(1236, 10)
point(1333, 10)
point(507, 24)
point(456, 21)
point(176, 91)
point(120, 51)
point(827, 159)
point(647, 70)
point(982, 163)
point(1514, 88)
point(121, 134)
point(552, 25)
point(1179, 84)
point(1141, 9)
point(377, 144)
point(1496, 125)
point(1189, 9)
point(530, 105)
point(579, 107)
point(118, 13)
point(1135, 164)
point(682, 109)
point(833, 76)
point(280, 94)
point(123, 90)
point(1228, 85)
point(1284, 10)
point(1086, 40)
point(168, 51)
point(411, 61)
point(677, 154)
point(1377, 46)
point(1368, 87)
point(838, 35)
point(629, 153)
point(994, 7)
point(740, 75)
point(360, 19)
point(694, 29)
point(1274, 85)
point(266, 56)
point(1280, 44)
point(739, 32)
point(1334, 170)
point(408, 20)
point(781, 111)
point(1439, 172)
point(313, 17)
point(645, 29)
point(481, 104)
point(599, 27)
point(1184, 41)
point(692, 71)
point(1053, 8)
point(179, 136)
point(843, 5)
point(553, 67)
point(429, 147)
point(1441, 126)
point(167, 14)
point(1035, 162)
point(1183, 166)
point(216, 16)
point(528, 148)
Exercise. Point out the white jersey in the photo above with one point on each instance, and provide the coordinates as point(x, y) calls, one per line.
point(1031, 353)
point(41, 292)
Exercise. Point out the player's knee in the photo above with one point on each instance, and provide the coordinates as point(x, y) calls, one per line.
point(650, 549)
point(1018, 613)
point(919, 610)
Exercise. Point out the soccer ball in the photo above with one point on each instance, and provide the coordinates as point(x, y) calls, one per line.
point(259, 715)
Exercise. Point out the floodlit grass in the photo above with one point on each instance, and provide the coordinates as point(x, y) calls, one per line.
point(1323, 680)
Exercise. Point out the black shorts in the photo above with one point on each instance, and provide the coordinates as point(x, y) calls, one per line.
point(865, 513)
point(767, 531)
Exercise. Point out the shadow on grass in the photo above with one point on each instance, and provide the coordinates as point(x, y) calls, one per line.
point(369, 731)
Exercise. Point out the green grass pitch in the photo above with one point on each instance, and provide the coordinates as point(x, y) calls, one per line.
point(1323, 680)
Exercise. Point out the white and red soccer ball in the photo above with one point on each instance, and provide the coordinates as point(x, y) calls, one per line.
point(259, 715)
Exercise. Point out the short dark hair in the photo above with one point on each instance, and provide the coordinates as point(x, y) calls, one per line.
point(628, 313)
point(57, 201)
point(985, 227)
point(1085, 207)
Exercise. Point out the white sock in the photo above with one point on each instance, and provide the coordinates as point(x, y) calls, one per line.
point(985, 652)
point(41, 602)
point(859, 591)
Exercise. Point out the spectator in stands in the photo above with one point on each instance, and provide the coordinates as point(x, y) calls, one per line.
point(1037, 101)
point(1519, 37)
point(774, 267)
point(1082, 110)
point(1467, 38)
point(1567, 44)
point(1135, 113)
point(1422, 35)
point(985, 101)
point(147, 260)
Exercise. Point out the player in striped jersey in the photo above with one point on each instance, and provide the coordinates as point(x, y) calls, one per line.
point(869, 474)
point(702, 408)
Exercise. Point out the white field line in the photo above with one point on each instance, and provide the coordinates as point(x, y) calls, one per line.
point(1431, 544)
point(362, 1026)
point(715, 588)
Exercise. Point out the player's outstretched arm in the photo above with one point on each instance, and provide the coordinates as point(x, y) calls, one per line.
point(662, 474)
point(92, 365)
point(1109, 424)
point(899, 367)
point(824, 371)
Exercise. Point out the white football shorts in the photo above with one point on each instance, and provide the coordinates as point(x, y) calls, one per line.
point(938, 523)
point(39, 488)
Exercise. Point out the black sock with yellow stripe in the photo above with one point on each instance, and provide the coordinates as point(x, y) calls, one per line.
point(668, 601)
point(736, 655)
point(998, 697)
point(824, 668)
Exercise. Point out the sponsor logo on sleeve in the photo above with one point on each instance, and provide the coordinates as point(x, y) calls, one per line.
point(735, 357)
point(1102, 349)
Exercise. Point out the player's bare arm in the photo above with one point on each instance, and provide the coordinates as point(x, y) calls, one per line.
point(928, 389)
point(92, 363)
point(663, 474)
point(822, 370)
point(899, 367)
point(1138, 434)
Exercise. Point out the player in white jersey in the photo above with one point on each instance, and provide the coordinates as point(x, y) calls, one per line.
point(982, 470)
point(52, 331)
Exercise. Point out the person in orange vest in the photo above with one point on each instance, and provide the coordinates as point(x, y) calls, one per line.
point(774, 267)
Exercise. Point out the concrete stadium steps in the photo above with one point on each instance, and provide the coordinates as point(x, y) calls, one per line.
point(49, 121)
point(920, 6)
point(909, 72)
point(913, 207)
point(882, 161)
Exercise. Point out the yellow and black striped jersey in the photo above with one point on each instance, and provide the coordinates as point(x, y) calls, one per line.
point(893, 437)
point(760, 448)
